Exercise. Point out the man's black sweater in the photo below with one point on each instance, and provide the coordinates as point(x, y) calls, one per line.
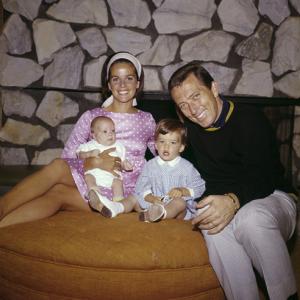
point(241, 157)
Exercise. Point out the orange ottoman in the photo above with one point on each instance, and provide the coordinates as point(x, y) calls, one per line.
point(85, 256)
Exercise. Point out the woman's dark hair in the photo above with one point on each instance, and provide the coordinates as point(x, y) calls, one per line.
point(105, 89)
point(193, 67)
point(165, 126)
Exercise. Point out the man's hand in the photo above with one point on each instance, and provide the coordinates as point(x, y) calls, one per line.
point(220, 212)
point(104, 161)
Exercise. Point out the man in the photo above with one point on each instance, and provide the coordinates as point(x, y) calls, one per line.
point(250, 214)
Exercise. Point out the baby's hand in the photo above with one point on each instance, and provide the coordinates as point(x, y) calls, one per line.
point(127, 166)
point(175, 192)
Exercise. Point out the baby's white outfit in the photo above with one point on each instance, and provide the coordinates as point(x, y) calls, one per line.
point(103, 178)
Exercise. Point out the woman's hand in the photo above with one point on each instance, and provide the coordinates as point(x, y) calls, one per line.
point(104, 161)
point(126, 165)
point(220, 212)
point(95, 153)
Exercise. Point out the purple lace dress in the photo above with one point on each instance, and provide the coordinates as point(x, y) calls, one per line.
point(135, 131)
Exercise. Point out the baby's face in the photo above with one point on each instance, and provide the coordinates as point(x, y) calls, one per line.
point(104, 132)
point(169, 145)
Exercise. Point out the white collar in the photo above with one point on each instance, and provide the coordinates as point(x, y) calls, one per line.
point(171, 163)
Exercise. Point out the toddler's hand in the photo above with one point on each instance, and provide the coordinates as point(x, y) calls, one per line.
point(153, 199)
point(158, 200)
point(175, 192)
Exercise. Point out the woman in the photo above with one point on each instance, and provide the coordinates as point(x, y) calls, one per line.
point(60, 185)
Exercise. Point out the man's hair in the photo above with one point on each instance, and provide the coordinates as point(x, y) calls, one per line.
point(183, 72)
point(99, 118)
point(165, 126)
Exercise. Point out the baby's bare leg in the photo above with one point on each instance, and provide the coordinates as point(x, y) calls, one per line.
point(117, 189)
point(90, 181)
point(176, 209)
point(130, 203)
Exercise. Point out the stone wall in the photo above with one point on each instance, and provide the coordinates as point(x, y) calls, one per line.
point(52, 52)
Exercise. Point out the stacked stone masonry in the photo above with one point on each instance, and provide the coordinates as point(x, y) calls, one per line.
point(52, 52)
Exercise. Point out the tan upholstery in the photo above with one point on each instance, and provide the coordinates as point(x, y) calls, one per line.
point(85, 256)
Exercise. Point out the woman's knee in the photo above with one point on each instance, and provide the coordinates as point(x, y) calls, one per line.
point(58, 165)
point(60, 169)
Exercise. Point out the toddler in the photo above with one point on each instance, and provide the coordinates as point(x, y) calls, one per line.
point(168, 184)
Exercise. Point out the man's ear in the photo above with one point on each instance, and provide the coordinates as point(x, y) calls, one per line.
point(215, 89)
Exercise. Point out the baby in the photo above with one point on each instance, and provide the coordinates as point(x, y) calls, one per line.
point(169, 183)
point(104, 137)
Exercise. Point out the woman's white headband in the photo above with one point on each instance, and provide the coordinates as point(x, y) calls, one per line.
point(128, 56)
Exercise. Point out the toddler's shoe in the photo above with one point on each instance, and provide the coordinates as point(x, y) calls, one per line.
point(166, 199)
point(104, 206)
point(154, 213)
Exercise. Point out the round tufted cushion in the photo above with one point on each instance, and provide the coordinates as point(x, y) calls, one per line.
point(85, 256)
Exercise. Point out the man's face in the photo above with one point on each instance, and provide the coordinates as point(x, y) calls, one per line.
point(197, 102)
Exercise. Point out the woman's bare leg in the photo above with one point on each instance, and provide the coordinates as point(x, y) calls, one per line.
point(60, 197)
point(36, 185)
